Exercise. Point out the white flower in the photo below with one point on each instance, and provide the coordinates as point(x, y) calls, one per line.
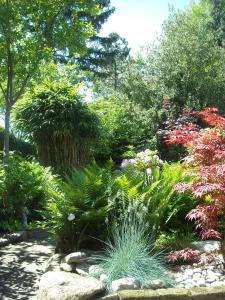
point(140, 154)
point(149, 171)
point(71, 217)
point(147, 159)
point(155, 157)
point(147, 151)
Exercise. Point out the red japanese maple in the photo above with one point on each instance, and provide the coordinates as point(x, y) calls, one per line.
point(206, 148)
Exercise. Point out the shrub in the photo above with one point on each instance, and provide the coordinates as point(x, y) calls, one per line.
point(123, 124)
point(23, 183)
point(94, 196)
point(54, 117)
point(207, 159)
point(80, 213)
point(153, 186)
point(130, 253)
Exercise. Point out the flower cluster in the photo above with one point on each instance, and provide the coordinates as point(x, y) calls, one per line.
point(146, 161)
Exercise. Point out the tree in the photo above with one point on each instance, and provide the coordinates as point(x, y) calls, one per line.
point(189, 63)
point(105, 58)
point(206, 160)
point(32, 31)
point(218, 20)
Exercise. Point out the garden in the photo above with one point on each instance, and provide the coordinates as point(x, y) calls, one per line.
point(130, 184)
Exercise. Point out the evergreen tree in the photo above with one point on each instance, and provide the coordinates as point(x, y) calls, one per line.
point(105, 58)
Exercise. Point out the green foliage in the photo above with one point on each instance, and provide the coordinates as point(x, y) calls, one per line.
point(190, 62)
point(17, 144)
point(94, 196)
point(23, 183)
point(130, 253)
point(54, 117)
point(176, 239)
point(166, 208)
point(124, 124)
point(85, 199)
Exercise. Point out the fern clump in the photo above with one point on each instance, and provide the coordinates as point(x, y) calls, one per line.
point(130, 253)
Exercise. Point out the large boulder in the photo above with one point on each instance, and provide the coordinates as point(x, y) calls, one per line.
point(68, 286)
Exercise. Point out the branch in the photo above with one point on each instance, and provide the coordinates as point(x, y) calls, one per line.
point(21, 91)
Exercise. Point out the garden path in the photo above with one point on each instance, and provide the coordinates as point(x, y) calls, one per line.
point(22, 264)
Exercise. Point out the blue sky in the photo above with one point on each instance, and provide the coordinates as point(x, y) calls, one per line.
point(139, 20)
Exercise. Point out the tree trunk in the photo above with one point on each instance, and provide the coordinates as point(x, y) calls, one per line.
point(6, 135)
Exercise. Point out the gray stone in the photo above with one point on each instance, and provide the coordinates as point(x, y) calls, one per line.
point(207, 246)
point(3, 242)
point(82, 269)
point(53, 264)
point(68, 267)
point(126, 283)
point(155, 284)
point(201, 282)
point(197, 276)
point(68, 286)
point(75, 257)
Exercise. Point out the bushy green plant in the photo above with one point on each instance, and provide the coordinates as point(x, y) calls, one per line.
point(23, 183)
point(123, 124)
point(81, 212)
point(130, 253)
point(176, 239)
point(150, 182)
point(94, 196)
point(56, 119)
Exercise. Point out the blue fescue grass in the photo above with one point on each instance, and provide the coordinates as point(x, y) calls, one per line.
point(130, 253)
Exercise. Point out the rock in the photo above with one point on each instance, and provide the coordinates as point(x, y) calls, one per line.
point(103, 278)
point(82, 269)
point(188, 273)
point(197, 276)
point(18, 236)
point(68, 267)
point(53, 264)
point(201, 282)
point(75, 257)
point(126, 283)
point(4, 242)
point(207, 246)
point(95, 270)
point(155, 284)
point(68, 286)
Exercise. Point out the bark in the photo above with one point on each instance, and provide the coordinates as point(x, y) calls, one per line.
point(6, 136)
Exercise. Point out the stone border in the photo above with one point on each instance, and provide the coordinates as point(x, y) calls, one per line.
point(202, 293)
point(16, 237)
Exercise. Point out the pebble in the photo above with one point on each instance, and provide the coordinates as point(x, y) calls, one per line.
point(201, 276)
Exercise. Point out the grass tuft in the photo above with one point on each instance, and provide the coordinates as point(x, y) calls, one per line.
point(130, 253)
